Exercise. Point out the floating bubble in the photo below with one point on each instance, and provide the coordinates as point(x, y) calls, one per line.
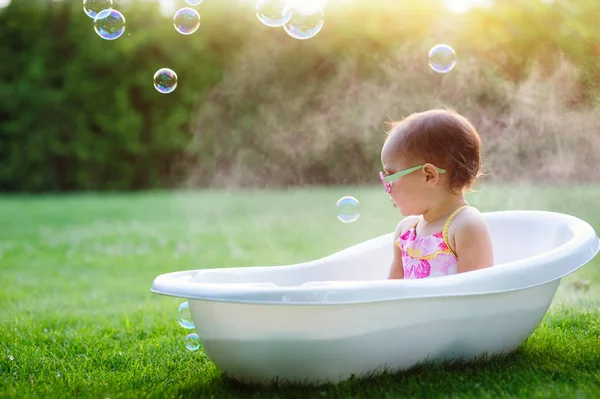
point(165, 80)
point(109, 24)
point(442, 58)
point(192, 342)
point(271, 12)
point(93, 7)
point(306, 21)
point(193, 2)
point(186, 21)
point(348, 209)
point(185, 317)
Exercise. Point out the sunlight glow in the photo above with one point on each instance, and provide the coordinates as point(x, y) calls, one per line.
point(167, 7)
point(309, 4)
point(303, 3)
point(462, 6)
point(458, 6)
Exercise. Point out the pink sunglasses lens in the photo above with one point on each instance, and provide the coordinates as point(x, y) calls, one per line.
point(386, 185)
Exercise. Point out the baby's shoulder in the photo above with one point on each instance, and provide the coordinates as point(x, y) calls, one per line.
point(405, 224)
point(467, 221)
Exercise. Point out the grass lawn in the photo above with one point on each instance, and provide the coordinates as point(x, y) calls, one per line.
point(77, 317)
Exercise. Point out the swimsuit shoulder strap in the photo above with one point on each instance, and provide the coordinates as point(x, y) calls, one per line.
point(447, 225)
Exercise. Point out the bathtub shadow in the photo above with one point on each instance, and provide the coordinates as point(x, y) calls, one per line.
point(494, 375)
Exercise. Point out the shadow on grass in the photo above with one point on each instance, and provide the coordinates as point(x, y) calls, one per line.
point(521, 372)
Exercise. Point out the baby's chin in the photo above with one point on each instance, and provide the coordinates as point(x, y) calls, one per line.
point(406, 212)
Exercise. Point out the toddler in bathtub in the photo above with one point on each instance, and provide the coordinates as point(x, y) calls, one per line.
point(430, 159)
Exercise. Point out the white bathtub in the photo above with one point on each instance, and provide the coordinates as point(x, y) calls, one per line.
point(329, 319)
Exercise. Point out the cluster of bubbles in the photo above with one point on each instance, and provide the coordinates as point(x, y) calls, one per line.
point(186, 21)
point(109, 23)
point(192, 341)
point(300, 21)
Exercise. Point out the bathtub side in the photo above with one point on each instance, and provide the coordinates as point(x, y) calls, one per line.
point(358, 274)
point(258, 343)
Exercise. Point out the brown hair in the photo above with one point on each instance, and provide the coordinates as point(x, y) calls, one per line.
point(444, 138)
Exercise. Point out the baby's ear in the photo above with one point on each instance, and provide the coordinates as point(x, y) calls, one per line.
point(432, 175)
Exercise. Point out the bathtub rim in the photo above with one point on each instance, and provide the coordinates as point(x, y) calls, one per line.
point(181, 284)
point(350, 302)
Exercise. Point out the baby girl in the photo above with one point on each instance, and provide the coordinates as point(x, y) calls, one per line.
point(430, 159)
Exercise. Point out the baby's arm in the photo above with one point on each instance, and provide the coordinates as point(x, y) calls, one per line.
point(397, 267)
point(473, 244)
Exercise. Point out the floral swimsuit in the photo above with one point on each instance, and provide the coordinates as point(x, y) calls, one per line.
point(428, 256)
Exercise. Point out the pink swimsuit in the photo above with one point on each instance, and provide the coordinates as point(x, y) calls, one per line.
point(428, 256)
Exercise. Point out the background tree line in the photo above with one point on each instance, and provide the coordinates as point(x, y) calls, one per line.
point(256, 107)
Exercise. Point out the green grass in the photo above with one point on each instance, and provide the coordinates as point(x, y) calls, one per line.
point(77, 317)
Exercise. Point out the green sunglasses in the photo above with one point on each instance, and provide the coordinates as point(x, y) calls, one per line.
point(386, 180)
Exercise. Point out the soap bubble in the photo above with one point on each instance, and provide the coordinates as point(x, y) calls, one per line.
point(348, 209)
point(271, 12)
point(165, 80)
point(442, 58)
point(186, 21)
point(192, 342)
point(93, 7)
point(185, 316)
point(109, 24)
point(306, 21)
point(193, 2)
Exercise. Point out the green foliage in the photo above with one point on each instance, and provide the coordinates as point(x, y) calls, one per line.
point(80, 113)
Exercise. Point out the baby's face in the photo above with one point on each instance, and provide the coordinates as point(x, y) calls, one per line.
point(409, 193)
point(405, 193)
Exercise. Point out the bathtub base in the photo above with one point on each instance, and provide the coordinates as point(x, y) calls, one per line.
point(472, 328)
